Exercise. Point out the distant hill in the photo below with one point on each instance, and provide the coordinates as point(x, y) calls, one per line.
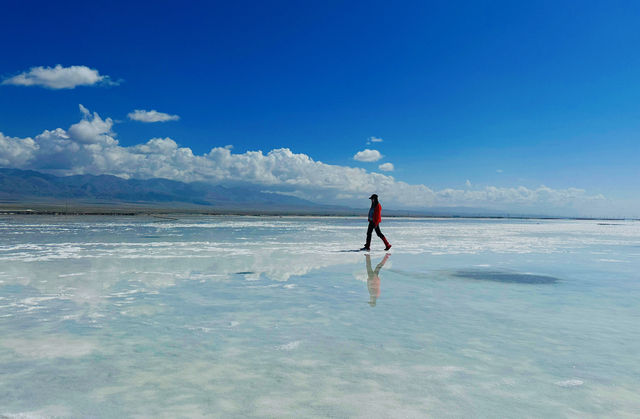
point(31, 191)
point(27, 187)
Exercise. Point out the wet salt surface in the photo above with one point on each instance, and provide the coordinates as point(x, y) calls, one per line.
point(271, 317)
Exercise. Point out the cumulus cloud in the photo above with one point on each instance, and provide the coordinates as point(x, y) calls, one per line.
point(59, 77)
point(92, 129)
point(16, 152)
point(367, 155)
point(491, 195)
point(90, 146)
point(151, 116)
point(387, 167)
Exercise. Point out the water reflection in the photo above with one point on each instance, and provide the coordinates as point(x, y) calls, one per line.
point(373, 278)
point(504, 276)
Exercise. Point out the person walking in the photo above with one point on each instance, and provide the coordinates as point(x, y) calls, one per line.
point(375, 217)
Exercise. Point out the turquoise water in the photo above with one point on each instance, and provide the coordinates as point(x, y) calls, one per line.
point(279, 317)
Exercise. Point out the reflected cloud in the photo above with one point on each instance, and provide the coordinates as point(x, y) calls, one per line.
point(50, 347)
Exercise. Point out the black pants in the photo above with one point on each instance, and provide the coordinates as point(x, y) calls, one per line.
point(378, 232)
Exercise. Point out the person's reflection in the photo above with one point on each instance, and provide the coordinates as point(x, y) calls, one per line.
point(373, 280)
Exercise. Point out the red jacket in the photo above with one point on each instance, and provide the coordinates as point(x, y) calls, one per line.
point(377, 215)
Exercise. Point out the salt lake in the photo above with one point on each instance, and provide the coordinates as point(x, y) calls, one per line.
point(221, 316)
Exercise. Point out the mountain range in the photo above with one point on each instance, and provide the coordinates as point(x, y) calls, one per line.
point(27, 187)
point(31, 191)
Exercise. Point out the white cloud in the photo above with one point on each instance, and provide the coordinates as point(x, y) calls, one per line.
point(59, 77)
point(374, 140)
point(16, 152)
point(499, 170)
point(367, 155)
point(467, 183)
point(387, 167)
point(151, 116)
point(90, 146)
point(491, 195)
point(84, 110)
point(91, 130)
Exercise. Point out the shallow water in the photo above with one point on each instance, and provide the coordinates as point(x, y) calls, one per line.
point(278, 317)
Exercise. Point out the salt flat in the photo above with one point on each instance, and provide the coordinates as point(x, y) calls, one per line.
point(278, 316)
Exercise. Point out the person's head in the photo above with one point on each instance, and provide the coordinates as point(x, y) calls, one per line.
point(374, 199)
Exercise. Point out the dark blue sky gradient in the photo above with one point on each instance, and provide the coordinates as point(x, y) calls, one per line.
point(547, 92)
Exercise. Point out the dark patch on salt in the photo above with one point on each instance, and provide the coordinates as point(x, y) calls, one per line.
point(504, 276)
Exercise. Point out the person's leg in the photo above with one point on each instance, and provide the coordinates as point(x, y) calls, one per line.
point(381, 264)
point(384, 239)
point(369, 231)
point(370, 272)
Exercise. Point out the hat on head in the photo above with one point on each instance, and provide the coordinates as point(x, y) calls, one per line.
point(373, 196)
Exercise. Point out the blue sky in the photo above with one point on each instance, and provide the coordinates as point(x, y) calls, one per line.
point(465, 95)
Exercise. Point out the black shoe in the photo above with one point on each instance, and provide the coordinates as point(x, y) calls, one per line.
point(388, 247)
point(365, 249)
